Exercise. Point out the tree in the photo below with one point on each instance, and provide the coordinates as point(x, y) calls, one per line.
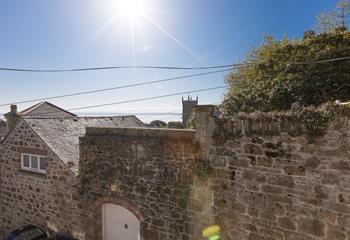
point(326, 22)
point(158, 124)
point(342, 12)
point(335, 19)
point(274, 80)
point(177, 125)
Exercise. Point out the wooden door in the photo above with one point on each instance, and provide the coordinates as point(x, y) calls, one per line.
point(119, 223)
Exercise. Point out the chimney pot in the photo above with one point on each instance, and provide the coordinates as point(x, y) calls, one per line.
point(12, 117)
point(13, 108)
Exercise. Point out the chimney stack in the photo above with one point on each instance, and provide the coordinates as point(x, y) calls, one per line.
point(12, 117)
point(13, 108)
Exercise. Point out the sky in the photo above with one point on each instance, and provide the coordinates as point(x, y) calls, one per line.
point(66, 34)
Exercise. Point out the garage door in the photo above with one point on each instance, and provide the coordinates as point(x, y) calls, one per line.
point(119, 223)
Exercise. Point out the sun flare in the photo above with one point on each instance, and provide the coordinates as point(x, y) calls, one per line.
point(134, 15)
point(130, 8)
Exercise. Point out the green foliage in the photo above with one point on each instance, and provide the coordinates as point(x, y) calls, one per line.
point(158, 124)
point(191, 121)
point(274, 81)
point(316, 122)
point(203, 170)
point(176, 125)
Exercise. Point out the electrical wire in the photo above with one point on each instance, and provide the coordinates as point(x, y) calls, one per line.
point(145, 83)
point(118, 87)
point(234, 66)
point(158, 67)
point(119, 67)
point(135, 100)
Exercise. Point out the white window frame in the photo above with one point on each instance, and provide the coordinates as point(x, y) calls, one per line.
point(30, 169)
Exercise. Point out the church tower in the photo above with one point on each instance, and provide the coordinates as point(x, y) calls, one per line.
point(187, 107)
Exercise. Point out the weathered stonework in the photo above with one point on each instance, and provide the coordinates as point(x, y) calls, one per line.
point(288, 185)
point(153, 170)
point(266, 180)
point(49, 200)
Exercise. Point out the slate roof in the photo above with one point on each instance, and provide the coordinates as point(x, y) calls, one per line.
point(62, 134)
point(46, 109)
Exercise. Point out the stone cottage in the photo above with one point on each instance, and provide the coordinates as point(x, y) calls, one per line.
point(40, 163)
point(258, 177)
point(42, 110)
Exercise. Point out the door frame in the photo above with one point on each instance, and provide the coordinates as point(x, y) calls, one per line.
point(98, 218)
point(104, 218)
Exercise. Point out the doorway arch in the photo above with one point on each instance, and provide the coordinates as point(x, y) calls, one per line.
point(119, 223)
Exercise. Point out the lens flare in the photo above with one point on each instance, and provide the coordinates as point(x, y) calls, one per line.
point(130, 8)
point(133, 14)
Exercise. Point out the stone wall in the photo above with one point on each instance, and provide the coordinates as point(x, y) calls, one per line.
point(272, 179)
point(48, 200)
point(152, 170)
point(268, 178)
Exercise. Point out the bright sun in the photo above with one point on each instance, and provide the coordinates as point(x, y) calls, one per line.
point(130, 8)
point(134, 13)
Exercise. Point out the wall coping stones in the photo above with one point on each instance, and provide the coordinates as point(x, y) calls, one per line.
point(142, 133)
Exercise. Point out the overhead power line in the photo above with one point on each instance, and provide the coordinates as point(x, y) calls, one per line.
point(158, 67)
point(117, 87)
point(148, 98)
point(119, 67)
point(135, 100)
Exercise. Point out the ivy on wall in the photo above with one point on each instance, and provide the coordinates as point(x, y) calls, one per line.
point(315, 120)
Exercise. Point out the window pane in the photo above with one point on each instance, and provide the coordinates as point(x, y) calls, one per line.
point(26, 161)
point(34, 162)
point(42, 163)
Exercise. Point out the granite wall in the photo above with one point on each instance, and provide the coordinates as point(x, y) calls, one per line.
point(274, 179)
point(50, 200)
point(152, 171)
point(267, 178)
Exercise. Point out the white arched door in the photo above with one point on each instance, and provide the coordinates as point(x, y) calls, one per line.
point(119, 223)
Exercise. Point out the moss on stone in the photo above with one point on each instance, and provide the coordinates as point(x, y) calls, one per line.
point(315, 121)
point(202, 170)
